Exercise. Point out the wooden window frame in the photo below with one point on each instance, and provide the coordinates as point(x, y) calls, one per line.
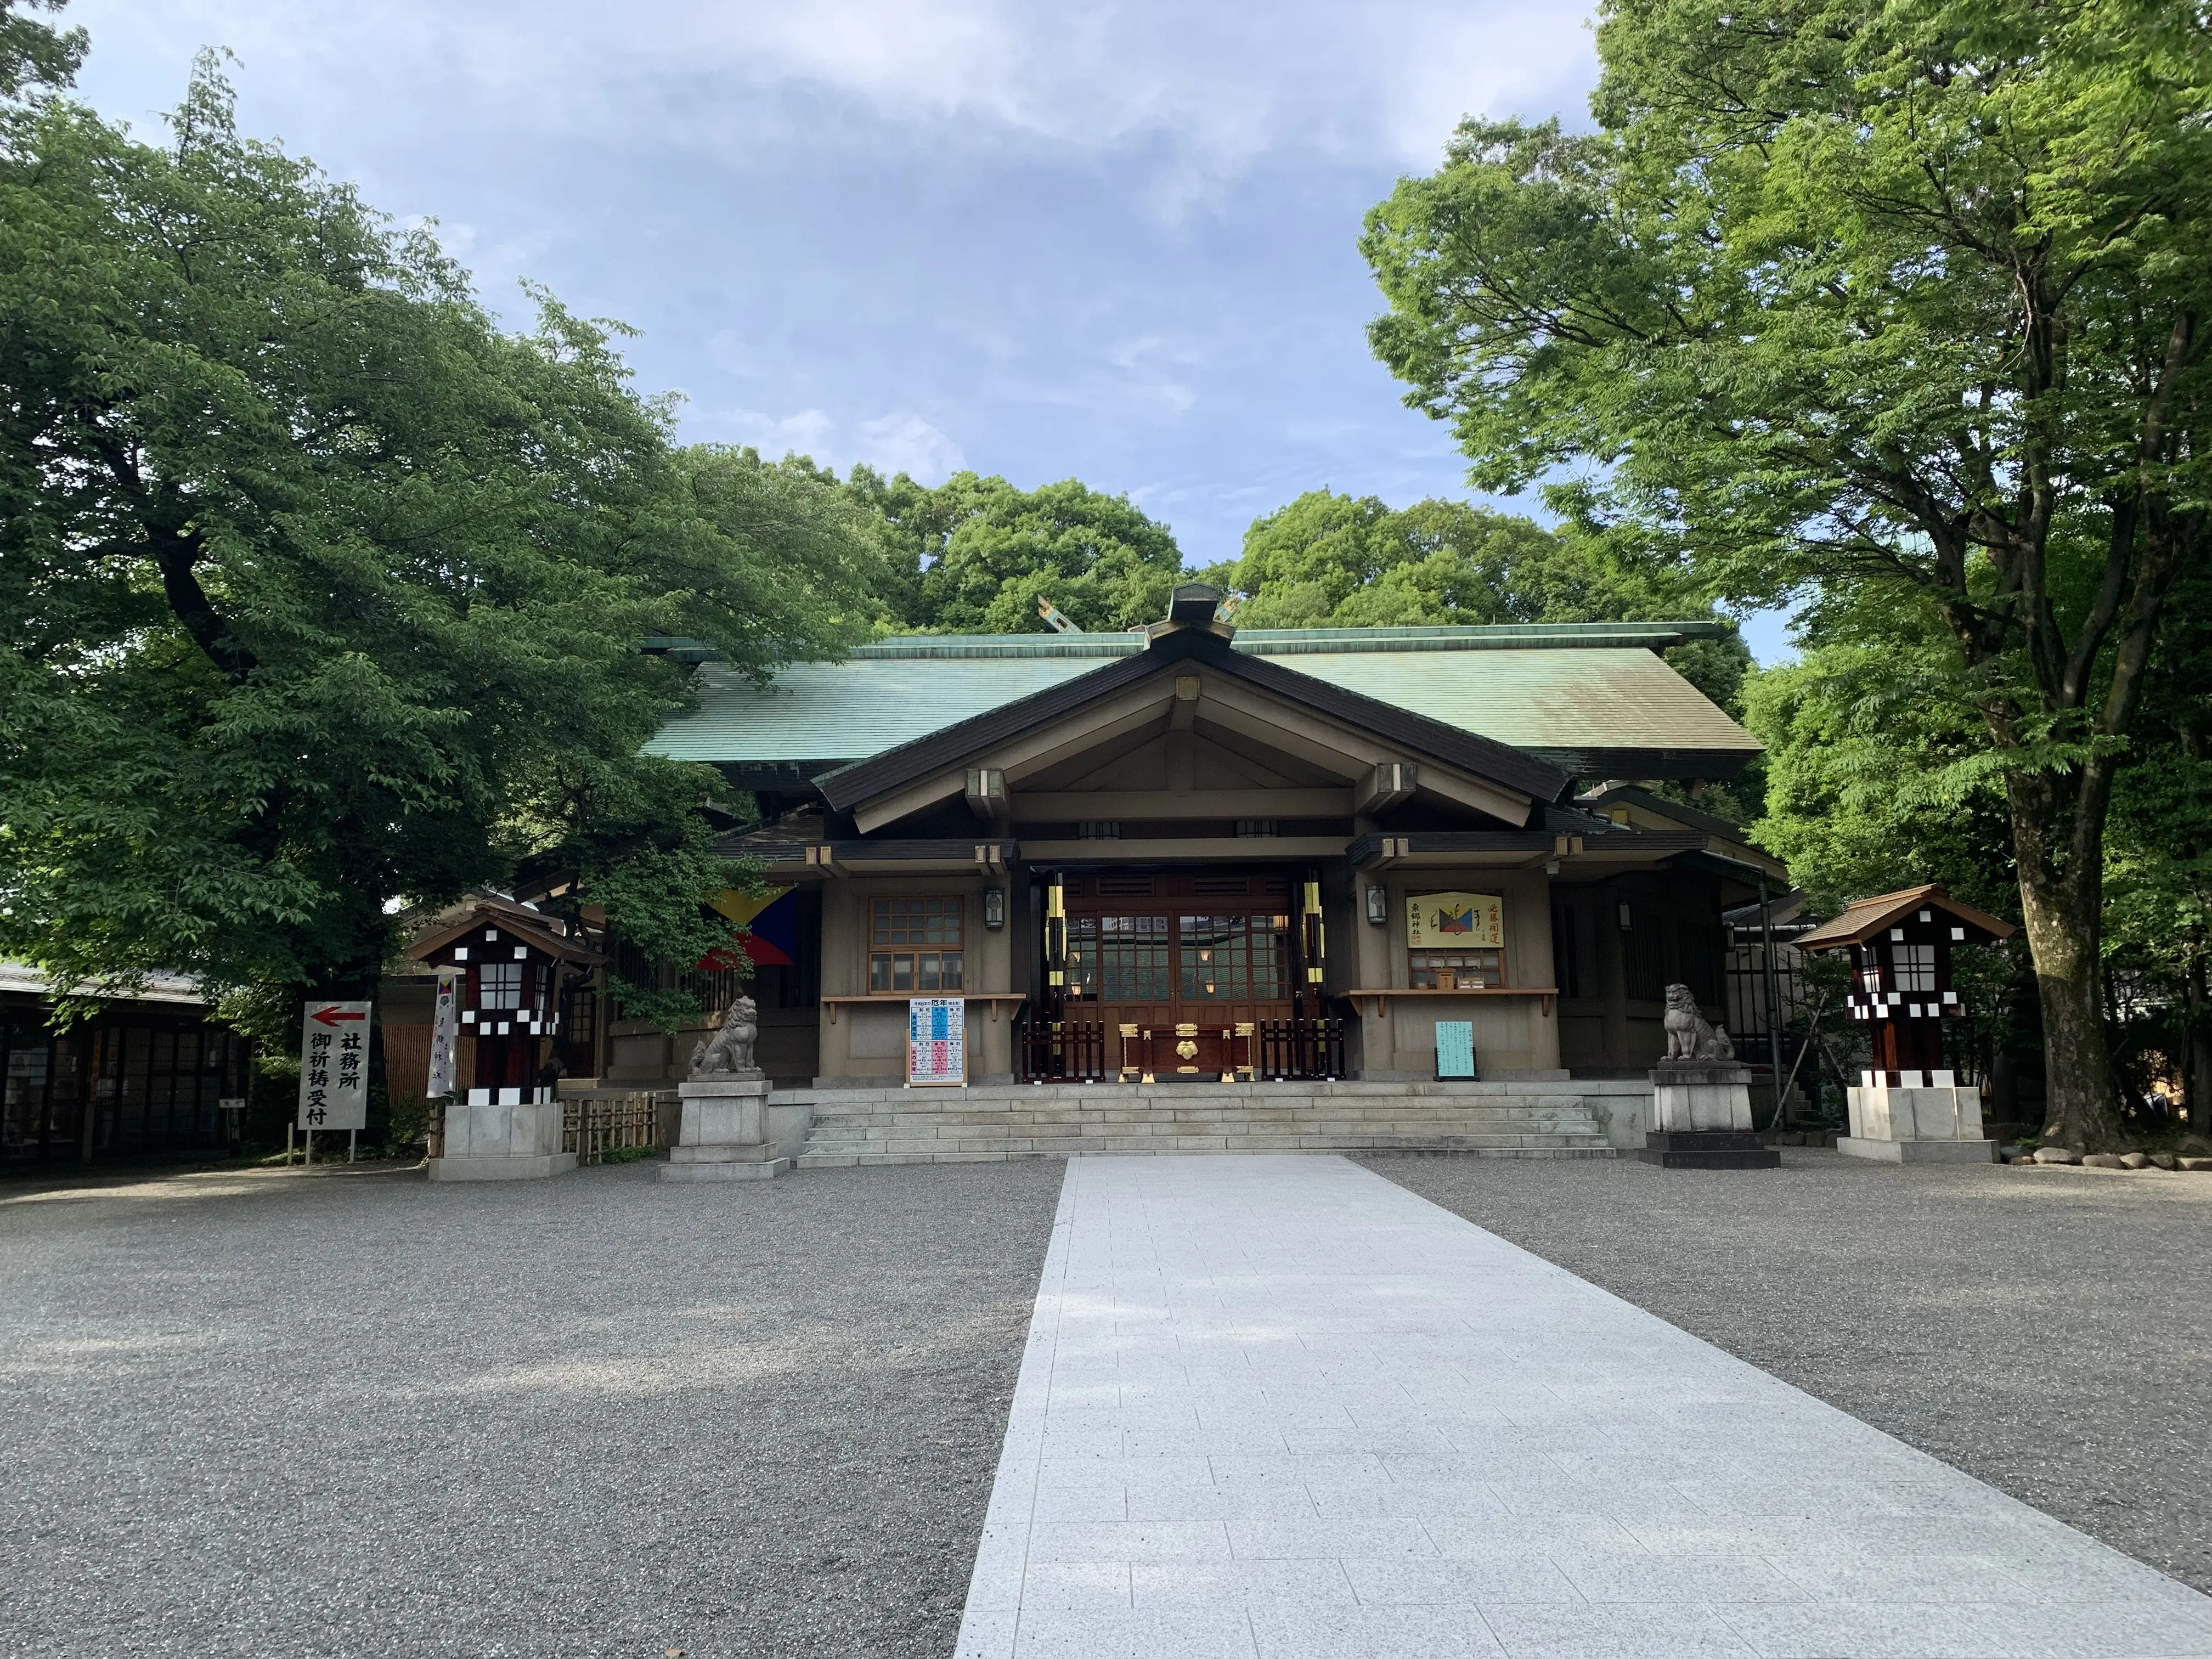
point(881, 948)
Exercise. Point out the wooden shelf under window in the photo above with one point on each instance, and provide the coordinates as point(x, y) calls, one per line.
point(995, 998)
point(1546, 991)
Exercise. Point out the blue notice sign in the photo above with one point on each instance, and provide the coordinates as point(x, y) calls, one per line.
point(1455, 1048)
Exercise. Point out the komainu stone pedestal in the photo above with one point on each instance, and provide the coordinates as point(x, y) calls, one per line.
point(724, 1135)
point(502, 1135)
point(1703, 1109)
point(1897, 1124)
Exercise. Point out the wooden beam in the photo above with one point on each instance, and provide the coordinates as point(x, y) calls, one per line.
point(1246, 849)
point(1390, 784)
point(987, 792)
point(1076, 805)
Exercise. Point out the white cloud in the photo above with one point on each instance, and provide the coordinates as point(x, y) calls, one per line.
point(1216, 86)
point(906, 443)
point(902, 442)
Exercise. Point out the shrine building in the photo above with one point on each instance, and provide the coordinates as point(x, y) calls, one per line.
point(1193, 852)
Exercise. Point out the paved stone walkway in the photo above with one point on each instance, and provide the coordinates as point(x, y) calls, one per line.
point(1276, 1408)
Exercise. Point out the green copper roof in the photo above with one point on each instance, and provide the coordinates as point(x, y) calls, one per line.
point(1567, 691)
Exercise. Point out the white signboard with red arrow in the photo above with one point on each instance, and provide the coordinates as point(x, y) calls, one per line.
point(334, 1066)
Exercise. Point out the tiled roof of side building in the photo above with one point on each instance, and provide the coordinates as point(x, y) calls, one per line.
point(1572, 694)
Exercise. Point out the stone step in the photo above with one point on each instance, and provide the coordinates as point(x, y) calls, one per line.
point(979, 1126)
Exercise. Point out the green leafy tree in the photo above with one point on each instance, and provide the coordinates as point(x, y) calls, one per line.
point(2158, 938)
point(320, 593)
point(36, 56)
point(973, 554)
point(1847, 296)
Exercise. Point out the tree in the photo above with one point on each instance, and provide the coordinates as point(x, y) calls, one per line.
point(973, 554)
point(321, 593)
point(1864, 735)
point(2158, 939)
point(1331, 561)
point(35, 56)
point(1844, 296)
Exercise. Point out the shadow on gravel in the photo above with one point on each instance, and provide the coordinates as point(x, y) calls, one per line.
point(353, 1413)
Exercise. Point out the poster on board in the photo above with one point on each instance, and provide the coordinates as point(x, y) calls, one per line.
point(1441, 922)
point(936, 1042)
point(334, 1066)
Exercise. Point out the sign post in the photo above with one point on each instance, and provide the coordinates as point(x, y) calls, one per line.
point(334, 1070)
point(936, 1042)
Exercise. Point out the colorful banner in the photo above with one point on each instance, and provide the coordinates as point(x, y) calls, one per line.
point(445, 1030)
point(936, 1042)
point(1441, 922)
point(771, 921)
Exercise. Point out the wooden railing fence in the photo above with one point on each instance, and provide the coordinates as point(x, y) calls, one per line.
point(591, 1125)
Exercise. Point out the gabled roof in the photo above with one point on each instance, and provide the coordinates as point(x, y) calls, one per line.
point(1630, 795)
point(1590, 699)
point(1639, 807)
point(532, 927)
point(1864, 918)
point(948, 747)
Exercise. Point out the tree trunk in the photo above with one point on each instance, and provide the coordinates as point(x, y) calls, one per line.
point(2196, 1078)
point(2061, 918)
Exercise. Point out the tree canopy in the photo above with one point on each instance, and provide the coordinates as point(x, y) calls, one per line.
point(972, 554)
point(1843, 297)
point(321, 592)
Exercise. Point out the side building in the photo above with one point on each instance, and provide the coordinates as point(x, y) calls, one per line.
point(143, 1075)
point(1190, 851)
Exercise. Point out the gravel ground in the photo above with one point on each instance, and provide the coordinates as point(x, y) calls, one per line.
point(355, 1414)
point(2047, 1331)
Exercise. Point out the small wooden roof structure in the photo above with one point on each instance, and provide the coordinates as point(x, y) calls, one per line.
point(1864, 919)
point(525, 927)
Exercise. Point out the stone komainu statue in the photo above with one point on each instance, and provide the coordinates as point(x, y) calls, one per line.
point(1688, 1036)
point(731, 1050)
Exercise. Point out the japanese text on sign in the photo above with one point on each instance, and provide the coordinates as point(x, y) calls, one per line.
point(334, 1066)
point(1441, 920)
point(444, 1028)
point(936, 1041)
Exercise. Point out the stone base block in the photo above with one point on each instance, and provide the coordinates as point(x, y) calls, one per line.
point(1701, 1096)
point(535, 1167)
point(1918, 1152)
point(721, 1151)
point(1881, 1112)
point(1708, 1149)
point(749, 1169)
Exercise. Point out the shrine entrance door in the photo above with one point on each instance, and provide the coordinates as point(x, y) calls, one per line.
point(1180, 966)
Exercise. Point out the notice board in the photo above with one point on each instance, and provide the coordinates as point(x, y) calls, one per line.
point(936, 1042)
point(1455, 1048)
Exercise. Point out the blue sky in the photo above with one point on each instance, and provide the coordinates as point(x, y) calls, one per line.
point(1114, 242)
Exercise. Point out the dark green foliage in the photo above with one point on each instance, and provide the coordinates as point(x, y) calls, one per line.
point(321, 594)
point(973, 554)
point(1851, 299)
point(34, 55)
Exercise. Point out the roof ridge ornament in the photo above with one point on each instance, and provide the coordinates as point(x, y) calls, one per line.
point(1193, 605)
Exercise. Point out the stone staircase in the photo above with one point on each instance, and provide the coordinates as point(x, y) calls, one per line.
point(1506, 1119)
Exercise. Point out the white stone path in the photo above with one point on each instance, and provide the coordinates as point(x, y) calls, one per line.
point(1279, 1407)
